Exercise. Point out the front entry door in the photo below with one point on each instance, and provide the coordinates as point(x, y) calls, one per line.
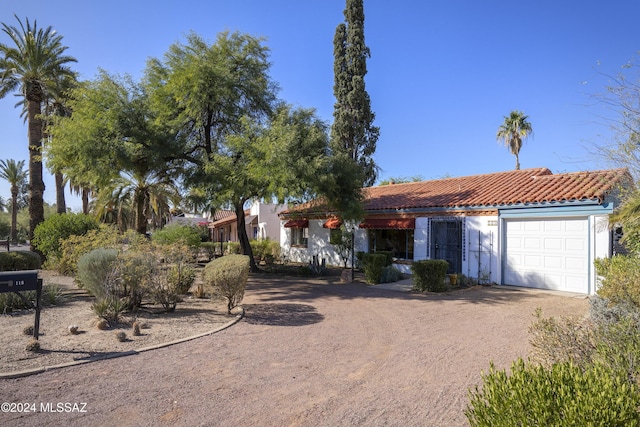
point(446, 243)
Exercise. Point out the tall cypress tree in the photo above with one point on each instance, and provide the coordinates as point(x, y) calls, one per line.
point(353, 133)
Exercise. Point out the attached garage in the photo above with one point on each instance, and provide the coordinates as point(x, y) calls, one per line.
point(547, 253)
point(529, 227)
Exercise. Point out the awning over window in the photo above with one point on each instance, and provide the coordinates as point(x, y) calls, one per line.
point(297, 223)
point(332, 223)
point(396, 223)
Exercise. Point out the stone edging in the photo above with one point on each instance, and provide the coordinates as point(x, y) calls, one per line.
point(33, 371)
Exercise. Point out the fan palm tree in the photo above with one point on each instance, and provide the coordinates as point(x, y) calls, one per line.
point(33, 65)
point(513, 131)
point(136, 199)
point(13, 173)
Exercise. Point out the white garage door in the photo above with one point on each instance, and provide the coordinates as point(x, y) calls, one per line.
point(548, 254)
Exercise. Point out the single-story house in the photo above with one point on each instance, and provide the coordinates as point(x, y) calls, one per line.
point(261, 220)
point(526, 227)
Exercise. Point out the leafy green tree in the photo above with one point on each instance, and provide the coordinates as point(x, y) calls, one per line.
point(16, 176)
point(280, 159)
point(32, 66)
point(56, 105)
point(353, 133)
point(117, 150)
point(402, 180)
point(210, 96)
point(513, 131)
point(201, 90)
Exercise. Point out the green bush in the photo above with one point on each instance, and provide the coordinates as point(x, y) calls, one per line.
point(429, 275)
point(210, 249)
point(51, 295)
point(388, 257)
point(178, 233)
point(181, 277)
point(227, 277)
point(231, 248)
point(73, 247)
point(620, 278)
point(390, 274)
point(561, 340)
point(265, 250)
point(610, 337)
point(373, 264)
point(5, 229)
point(563, 395)
point(133, 269)
point(49, 233)
point(19, 260)
point(95, 270)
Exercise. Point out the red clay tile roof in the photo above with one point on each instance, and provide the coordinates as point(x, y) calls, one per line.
point(528, 186)
point(224, 217)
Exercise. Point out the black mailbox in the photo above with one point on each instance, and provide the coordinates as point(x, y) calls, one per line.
point(18, 281)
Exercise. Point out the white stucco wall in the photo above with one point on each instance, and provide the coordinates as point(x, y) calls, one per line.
point(480, 249)
point(318, 245)
point(600, 246)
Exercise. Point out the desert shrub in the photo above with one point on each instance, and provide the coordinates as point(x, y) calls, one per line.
point(209, 248)
point(231, 248)
point(163, 292)
point(73, 247)
point(227, 277)
point(133, 269)
point(51, 295)
point(390, 274)
point(373, 264)
point(265, 250)
point(564, 394)
point(620, 278)
point(10, 301)
point(563, 339)
point(388, 260)
point(49, 233)
point(429, 275)
point(94, 271)
point(178, 233)
point(181, 277)
point(19, 260)
point(610, 337)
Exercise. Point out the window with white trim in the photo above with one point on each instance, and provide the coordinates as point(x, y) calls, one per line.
point(300, 237)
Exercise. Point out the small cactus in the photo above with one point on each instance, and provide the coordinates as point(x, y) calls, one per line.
point(33, 346)
point(121, 336)
point(28, 330)
point(73, 329)
point(102, 324)
point(136, 329)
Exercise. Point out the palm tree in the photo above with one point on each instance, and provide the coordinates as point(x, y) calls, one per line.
point(33, 66)
point(513, 131)
point(137, 199)
point(12, 172)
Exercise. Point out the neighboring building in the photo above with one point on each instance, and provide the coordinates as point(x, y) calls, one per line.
point(523, 227)
point(261, 220)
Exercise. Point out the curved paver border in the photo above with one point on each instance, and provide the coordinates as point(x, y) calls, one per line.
point(33, 371)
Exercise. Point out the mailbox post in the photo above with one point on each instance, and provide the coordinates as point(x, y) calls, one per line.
point(21, 281)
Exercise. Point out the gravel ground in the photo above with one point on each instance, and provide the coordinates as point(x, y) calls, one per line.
point(308, 352)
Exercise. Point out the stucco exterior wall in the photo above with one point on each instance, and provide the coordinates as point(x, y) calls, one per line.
point(318, 245)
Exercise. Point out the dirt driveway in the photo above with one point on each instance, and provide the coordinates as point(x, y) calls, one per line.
point(307, 353)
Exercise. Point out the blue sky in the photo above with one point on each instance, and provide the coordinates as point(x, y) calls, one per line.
point(442, 75)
